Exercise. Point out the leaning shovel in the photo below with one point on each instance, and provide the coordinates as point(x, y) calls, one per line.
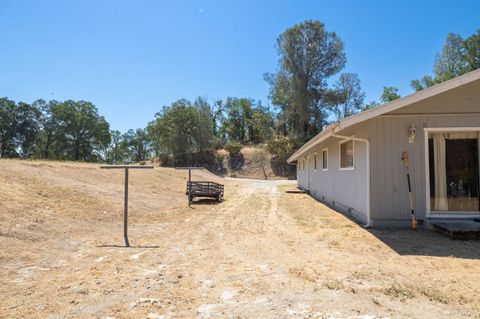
point(410, 197)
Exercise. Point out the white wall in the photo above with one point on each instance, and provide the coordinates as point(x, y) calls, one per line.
point(346, 188)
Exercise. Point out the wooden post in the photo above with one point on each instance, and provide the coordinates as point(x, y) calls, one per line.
point(189, 186)
point(189, 179)
point(125, 204)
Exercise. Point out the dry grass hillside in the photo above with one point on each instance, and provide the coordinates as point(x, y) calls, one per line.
point(43, 201)
point(250, 169)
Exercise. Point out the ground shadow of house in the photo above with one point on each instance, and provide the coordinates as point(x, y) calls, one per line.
point(424, 242)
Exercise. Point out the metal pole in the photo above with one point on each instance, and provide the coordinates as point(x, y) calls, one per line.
point(189, 186)
point(125, 211)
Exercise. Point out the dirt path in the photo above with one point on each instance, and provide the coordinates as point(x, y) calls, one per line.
point(260, 254)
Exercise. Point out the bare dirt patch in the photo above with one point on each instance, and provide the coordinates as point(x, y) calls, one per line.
point(262, 253)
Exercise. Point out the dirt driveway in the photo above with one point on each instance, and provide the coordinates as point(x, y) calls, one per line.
point(262, 253)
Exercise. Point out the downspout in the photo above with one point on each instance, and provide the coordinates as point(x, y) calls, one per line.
point(367, 142)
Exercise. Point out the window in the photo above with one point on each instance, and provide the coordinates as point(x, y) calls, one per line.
point(315, 161)
point(325, 159)
point(346, 155)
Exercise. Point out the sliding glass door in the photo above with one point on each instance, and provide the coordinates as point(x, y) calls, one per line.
point(453, 159)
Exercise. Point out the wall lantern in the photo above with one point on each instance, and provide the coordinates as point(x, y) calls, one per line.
point(412, 132)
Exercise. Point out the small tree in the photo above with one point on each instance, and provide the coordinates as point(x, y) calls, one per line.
point(390, 93)
point(233, 148)
point(347, 97)
point(260, 158)
point(235, 159)
point(281, 148)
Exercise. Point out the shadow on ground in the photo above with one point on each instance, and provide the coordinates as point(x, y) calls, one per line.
point(420, 242)
point(205, 201)
point(423, 242)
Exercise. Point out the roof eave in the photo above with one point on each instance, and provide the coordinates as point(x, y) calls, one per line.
point(386, 108)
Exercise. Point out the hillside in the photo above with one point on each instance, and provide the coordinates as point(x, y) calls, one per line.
point(55, 198)
point(249, 169)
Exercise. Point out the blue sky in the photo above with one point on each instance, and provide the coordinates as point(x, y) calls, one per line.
point(132, 57)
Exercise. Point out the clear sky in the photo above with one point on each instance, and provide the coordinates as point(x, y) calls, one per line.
point(132, 57)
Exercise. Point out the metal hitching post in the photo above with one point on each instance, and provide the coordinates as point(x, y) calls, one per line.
point(125, 211)
point(125, 207)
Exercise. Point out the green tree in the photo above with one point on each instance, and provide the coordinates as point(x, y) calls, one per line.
point(7, 127)
point(136, 145)
point(82, 133)
point(370, 105)
point(204, 131)
point(260, 124)
point(309, 55)
point(218, 117)
point(472, 51)
point(236, 124)
point(347, 96)
point(49, 126)
point(19, 128)
point(390, 93)
point(450, 62)
point(458, 56)
point(281, 148)
point(184, 132)
point(115, 151)
point(233, 148)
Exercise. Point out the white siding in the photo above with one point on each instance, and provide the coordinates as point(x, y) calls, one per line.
point(346, 188)
point(388, 139)
point(389, 186)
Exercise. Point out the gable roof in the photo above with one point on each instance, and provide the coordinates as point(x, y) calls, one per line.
point(385, 108)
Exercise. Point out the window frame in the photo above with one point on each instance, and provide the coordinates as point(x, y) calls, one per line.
point(325, 150)
point(347, 168)
point(315, 166)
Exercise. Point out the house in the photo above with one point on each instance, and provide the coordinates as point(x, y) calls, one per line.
point(356, 164)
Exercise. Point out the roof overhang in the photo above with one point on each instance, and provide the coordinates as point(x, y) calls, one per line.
point(383, 109)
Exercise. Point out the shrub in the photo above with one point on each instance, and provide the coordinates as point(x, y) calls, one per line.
point(220, 158)
point(166, 160)
point(233, 148)
point(281, 149)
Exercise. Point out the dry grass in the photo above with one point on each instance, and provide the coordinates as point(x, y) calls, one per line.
point(250, 169)
point(261, 253)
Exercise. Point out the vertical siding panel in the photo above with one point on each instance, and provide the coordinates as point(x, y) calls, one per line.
point(388, 171)
point(376, 169)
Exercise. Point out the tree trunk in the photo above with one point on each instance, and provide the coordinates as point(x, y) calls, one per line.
point(47, 145)
point(264, 173)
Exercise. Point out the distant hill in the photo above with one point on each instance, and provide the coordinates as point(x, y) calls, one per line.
point(247, 169)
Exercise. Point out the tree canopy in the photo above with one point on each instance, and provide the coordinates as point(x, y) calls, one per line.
point(389, 94)
point(308, 56)
point(458, 56)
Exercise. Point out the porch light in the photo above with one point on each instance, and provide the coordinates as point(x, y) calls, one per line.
point(412, 132)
